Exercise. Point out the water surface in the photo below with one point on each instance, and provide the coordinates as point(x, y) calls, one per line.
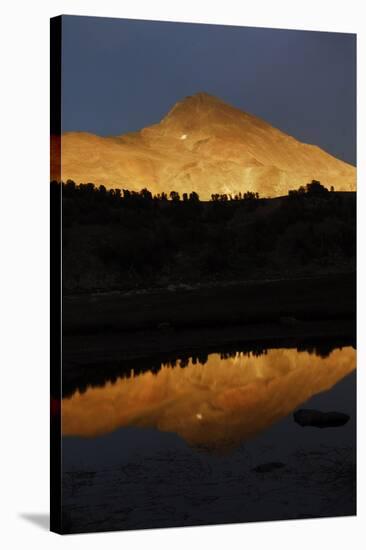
point(186, 445)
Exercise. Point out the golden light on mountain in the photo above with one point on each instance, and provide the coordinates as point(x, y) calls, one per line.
point(202, 145)
point(216, 405)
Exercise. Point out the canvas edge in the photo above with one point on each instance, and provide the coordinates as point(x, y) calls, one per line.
point(55, 280)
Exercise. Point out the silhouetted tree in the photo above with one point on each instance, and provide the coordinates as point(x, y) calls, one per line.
point(250, 196)
point(146, 194)
point(174, 195)
point(316, 188)
point(193, 197)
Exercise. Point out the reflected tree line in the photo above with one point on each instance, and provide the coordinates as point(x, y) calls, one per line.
point(98, 377)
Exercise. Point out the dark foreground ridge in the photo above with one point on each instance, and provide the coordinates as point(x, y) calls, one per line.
point(115, 240)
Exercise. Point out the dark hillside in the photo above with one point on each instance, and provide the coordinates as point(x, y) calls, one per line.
point(128, 241)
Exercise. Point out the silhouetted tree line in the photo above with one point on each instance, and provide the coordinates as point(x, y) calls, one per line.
point(70, 189)
point(313, 189)
point(126, 239)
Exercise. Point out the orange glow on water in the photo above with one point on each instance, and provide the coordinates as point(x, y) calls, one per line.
point(215, 405)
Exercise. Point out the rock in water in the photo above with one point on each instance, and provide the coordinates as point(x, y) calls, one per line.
point(318, 419)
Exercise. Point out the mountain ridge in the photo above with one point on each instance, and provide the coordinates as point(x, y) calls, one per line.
point(205, 145)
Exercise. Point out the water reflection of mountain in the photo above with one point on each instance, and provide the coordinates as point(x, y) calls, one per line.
point(215, 401)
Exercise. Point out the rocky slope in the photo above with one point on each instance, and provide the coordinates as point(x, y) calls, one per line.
point(202, 145)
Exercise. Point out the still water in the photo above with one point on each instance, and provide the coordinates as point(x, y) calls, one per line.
point(211, 440)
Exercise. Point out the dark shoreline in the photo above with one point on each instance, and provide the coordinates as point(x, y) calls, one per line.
point(327, 297)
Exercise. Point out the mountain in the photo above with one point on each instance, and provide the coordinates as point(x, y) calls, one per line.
point(202, 145)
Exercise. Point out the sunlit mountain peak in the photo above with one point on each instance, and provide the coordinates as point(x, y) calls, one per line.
point(205, 145)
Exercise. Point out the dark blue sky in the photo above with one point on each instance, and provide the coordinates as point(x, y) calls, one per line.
point(120, 75)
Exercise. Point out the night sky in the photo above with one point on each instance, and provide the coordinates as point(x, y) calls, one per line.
point(121, 75)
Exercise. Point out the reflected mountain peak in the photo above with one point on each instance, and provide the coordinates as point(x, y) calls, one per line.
point(214, 406)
